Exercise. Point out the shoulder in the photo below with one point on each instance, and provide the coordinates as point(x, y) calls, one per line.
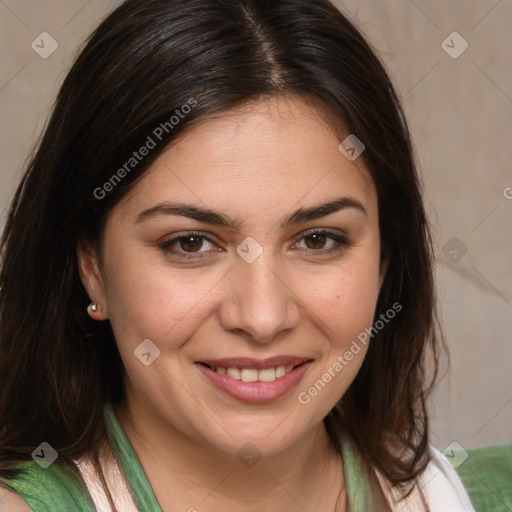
point(442, 486)
point(57, 487)
point(439, 485)
point(11, 502)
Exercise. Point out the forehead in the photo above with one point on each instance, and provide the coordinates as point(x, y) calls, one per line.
point(266, 153)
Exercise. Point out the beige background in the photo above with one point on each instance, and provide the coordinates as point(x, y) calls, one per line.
point(460, 112)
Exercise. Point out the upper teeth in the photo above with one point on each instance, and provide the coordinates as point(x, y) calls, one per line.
point(253, 375)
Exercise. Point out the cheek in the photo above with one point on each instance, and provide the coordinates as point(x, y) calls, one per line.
point(343, 299)
point(148, 301)
point(342, 305)
point(167, 308)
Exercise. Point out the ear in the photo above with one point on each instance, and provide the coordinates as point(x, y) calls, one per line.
point(384, 264)
point(91, 276)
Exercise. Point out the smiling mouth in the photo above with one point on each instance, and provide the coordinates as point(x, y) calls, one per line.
point(269, 374)
point(255, 381)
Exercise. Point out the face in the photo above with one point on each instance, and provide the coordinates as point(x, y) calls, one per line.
point(233, 294)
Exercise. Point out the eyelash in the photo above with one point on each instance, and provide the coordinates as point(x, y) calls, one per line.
point(341, 242)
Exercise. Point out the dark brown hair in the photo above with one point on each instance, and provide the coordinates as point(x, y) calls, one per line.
point(145, 61)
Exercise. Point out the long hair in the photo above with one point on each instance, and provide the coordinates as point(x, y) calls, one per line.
point(139, 68)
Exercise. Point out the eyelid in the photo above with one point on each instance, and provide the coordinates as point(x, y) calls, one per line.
point(323, 231)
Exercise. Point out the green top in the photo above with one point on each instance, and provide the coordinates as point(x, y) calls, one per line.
point(486, 474)
point(60, 489)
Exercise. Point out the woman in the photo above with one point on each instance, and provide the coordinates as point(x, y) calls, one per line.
point(217, 285)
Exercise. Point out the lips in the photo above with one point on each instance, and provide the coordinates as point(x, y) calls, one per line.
point(255, 380)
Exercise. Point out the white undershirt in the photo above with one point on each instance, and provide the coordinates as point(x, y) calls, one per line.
point(441, 486)
point(116, 483)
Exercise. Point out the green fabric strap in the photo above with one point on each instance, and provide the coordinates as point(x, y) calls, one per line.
point(136, 478)
point(55, 489)
point(487, 477)
point(360, 495)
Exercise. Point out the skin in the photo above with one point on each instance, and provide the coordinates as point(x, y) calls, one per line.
point(257, 164)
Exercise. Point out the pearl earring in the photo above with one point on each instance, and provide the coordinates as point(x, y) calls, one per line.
point(94, 308)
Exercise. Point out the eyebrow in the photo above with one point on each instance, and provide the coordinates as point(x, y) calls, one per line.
point(214, 218)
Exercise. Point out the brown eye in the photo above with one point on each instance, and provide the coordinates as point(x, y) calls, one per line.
point(191, 243)
point(317, 241)
point(323, 242)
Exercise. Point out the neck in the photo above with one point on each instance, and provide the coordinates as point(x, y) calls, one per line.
point(188, 475)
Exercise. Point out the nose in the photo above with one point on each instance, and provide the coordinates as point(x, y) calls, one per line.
point(260, 302)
